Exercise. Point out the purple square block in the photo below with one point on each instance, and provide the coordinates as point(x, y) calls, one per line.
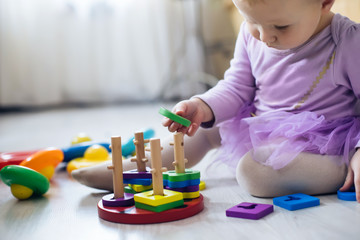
point(250, 210)
point(194, 188)
point(134, 174)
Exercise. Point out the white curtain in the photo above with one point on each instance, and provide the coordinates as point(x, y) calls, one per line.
point(65, 51)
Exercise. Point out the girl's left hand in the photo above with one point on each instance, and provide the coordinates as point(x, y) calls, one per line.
point(353, 175)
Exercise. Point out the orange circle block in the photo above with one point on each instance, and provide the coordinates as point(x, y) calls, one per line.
point(43, 160)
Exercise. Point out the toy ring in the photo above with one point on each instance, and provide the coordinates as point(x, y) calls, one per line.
point(44, 161)
point(174, 117)
point(349, 195)
point(14, 158)
point(24, 181)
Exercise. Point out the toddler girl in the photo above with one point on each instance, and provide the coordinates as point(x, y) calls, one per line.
point(285, 115)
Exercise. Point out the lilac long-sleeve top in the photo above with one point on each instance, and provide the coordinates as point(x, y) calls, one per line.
point(321, 76)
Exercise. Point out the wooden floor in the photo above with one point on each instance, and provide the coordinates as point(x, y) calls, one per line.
point(69, 210)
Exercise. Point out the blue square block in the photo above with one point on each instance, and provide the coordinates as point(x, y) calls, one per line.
point(138, 181)
point(181, 184)
point(296, 201)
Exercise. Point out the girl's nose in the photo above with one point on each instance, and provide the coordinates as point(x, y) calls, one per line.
point(266, 36)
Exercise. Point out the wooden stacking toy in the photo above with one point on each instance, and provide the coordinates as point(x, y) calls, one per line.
point(159, 204)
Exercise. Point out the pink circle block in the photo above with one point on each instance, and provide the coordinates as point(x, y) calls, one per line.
point(109, 200)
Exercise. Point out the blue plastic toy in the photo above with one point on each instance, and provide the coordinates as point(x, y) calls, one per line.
point(296, 201)
point(129, 147)
point(349, 195)
point(78, 150)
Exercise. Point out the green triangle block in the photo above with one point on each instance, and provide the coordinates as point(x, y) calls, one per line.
point(160, 208)
point(128, 189)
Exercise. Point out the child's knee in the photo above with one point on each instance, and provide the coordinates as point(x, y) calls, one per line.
point(254, 177)
point(307, 173)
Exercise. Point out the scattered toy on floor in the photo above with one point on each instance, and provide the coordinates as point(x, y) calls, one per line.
point(128, 148)
point(14, 158)
point(93, 155)
point(349, 195)
point(44, 161)
point(80, 138)
point(24, 182)
point(296, 201)
point(250, 210)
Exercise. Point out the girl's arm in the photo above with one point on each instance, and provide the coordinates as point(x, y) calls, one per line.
point(238, 87)
point(349, 55)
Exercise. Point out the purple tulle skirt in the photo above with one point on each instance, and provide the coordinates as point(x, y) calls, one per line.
point(291, 133)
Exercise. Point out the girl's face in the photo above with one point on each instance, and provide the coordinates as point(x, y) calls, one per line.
point(282, 24)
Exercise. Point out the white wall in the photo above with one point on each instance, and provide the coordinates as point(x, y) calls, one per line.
point(65, 51)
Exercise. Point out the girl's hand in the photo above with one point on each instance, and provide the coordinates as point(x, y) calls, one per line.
point(353, 176)
point(194, 110)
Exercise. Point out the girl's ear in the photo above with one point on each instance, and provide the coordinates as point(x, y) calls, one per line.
point(327, 5)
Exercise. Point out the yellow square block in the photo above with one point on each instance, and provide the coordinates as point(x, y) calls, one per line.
point(202, 185)
point(156, 200)
point(191, 195)
point(140, 188)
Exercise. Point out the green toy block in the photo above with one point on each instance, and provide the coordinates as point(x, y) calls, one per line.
point(128, 189)
point(160, 208)
point(174, 117)
point(189, 174)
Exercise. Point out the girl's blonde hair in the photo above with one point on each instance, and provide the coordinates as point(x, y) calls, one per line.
point(251, 2)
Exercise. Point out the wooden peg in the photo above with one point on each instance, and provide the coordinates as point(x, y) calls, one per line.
point(117, 167)
point(157, 169)
point(179, 162)
point(140, 158)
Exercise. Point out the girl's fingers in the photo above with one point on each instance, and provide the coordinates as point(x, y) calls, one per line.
point(192, 129)
point(356, 178)
point(349, 181)
point(357, 188)
point(174, 126)
point(166, 122)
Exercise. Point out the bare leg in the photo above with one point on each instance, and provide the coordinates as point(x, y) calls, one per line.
point(195, 149)
point(308, 173)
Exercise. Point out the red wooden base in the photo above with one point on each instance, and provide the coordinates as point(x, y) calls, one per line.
point(133, 215)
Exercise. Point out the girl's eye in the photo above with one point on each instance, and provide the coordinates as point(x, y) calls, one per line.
point(281, 27)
